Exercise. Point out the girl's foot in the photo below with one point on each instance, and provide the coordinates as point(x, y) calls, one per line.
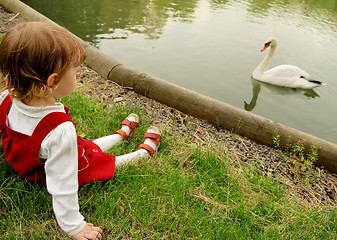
point(152, 140)
point(129, 125)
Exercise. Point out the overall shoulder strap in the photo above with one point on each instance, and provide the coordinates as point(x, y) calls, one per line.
point(6, 104)
point(46, 125)
point(4, 108)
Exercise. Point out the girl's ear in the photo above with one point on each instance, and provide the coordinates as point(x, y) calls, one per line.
point(53, 81)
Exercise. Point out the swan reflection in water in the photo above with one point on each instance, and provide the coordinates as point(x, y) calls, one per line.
point(256, 87)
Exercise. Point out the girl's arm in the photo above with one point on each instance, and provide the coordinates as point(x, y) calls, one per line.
point(60, 147)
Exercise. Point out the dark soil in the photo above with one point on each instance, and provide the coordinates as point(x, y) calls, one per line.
point(321, 188)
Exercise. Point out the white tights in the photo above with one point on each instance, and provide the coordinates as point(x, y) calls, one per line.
point(107, 142)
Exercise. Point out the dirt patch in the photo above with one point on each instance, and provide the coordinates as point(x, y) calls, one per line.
point(268, 160)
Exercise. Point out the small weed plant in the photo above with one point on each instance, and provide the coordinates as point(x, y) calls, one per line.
point(299, 163)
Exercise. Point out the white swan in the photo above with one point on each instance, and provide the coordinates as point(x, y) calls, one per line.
point(282, 75)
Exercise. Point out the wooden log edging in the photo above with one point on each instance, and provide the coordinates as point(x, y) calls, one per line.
point(252, 126)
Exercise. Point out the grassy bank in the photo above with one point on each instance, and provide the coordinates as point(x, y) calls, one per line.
point(187, 191)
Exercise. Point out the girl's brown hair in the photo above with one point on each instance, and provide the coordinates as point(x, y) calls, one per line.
point(31, 51)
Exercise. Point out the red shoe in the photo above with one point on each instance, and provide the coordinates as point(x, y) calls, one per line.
point(154, 135)
point(131, 124)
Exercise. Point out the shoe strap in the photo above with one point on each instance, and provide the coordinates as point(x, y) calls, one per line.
point(148, 148)
point(131, 124)
point(156, 138)
point(122, 133)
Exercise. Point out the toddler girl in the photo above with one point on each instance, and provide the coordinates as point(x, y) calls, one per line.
point(39, 62)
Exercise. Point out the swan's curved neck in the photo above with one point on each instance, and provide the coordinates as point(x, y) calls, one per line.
point(265, 62)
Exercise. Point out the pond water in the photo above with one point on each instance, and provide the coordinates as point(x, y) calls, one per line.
point(212, 47)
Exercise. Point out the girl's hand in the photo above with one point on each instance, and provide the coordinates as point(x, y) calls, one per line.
point(89, 232)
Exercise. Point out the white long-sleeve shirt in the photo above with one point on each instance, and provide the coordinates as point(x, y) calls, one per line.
point(59, 148)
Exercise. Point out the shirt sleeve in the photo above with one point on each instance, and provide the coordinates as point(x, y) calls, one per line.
point(61, 167)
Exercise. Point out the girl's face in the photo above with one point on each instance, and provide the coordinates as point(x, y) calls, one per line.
point(67, 83)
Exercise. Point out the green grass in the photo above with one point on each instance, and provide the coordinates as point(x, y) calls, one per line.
point(187, 191)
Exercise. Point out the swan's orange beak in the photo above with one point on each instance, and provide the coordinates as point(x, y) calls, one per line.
point(265, 47)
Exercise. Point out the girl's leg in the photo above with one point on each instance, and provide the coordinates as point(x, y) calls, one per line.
point(128, 126)
point(131, 157)
point(107, 142)
point(147, 149)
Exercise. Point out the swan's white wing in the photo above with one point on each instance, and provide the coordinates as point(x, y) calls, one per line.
point(287, 76)
point(287, 71)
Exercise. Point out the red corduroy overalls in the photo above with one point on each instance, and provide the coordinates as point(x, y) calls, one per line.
point(22, 151)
